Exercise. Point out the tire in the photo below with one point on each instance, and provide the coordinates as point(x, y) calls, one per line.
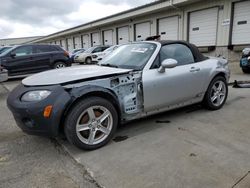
point(216, 94)
point(88, 60)
point(247, 71)
point(59, 65)
point(91, 123)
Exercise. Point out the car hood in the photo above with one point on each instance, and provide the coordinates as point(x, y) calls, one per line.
point(71, 74)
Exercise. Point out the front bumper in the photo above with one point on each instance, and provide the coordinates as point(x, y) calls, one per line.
point(29, 115)
point(78, 59)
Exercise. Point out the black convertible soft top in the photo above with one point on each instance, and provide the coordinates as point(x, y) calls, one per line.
point(196, 53)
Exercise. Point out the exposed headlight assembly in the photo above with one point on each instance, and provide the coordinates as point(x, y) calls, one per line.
point(35, 96)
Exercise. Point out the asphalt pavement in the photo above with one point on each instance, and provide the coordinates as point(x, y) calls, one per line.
point(29, 161)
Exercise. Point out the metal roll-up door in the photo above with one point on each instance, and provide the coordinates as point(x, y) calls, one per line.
point(168, 28)
point(203, 27)
point(95, 39)
point(108, 37)
point(70, 45)
point(123, 35)
point(85, 41)
point(63, 44)
point(142, 31)
point(241, 23)
point(77, 42)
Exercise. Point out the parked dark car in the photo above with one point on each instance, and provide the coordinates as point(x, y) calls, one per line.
point(245, 60)
point(26, 59)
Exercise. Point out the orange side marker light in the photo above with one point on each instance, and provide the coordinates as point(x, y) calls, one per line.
point(47, 111)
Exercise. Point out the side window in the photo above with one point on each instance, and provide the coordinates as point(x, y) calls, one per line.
point(99, 49)
point(22, 51)
point(104, 48)
point(181, 53)
point(156, 63)
point(44, 49)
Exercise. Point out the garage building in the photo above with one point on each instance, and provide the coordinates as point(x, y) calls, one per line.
point(217, 27)
point(16, 41)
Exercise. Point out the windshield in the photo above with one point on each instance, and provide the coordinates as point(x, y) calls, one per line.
point(110, 49)
point(130, 56)
point(89, 50)
point(6, 51)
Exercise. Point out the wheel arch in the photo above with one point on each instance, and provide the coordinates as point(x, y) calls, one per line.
point(88, 57)
point(58, 61)
point(223, 74)
point(79, 94)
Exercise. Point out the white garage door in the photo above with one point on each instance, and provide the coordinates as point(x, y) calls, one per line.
point(168, 28)
point(70, 45)
point(203, 27)
point(142, 31)
point(123, 35)
point(95, 39)
point(241, 23)
point(63, 44)
point(77, 42)
point(108, 37)
point(85, 41)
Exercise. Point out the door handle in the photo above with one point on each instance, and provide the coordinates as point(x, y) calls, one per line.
point(194, 69)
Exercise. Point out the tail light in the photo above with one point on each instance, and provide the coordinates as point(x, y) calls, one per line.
point(66, 53)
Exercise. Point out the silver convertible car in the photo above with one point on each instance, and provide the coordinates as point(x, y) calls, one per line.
point(87, 103)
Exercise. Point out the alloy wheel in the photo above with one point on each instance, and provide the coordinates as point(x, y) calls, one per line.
point(218, 93)
point(59, 66)
point(94, 125)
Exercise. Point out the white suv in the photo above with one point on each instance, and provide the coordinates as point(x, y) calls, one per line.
point(86, 56)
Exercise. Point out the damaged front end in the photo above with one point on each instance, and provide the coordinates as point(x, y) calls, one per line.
point(125, 90)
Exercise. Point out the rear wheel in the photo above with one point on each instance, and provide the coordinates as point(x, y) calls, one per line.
point(91, 123)
point(216, 94)
point(59, 65)
point(88, 60)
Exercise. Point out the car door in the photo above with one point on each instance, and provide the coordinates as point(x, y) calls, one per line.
point(43, 55)
point(20, 60)
point(174, 86)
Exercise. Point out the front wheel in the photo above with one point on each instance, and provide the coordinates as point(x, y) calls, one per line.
point(216, 94)
point(91, 123)
point(88, 60)
point(59, 65)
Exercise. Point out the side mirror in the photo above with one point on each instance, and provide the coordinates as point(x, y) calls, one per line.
point(167, 64)
point(12, 54)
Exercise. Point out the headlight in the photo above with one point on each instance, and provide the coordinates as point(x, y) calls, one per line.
point(246, 51)
point(34, 96)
